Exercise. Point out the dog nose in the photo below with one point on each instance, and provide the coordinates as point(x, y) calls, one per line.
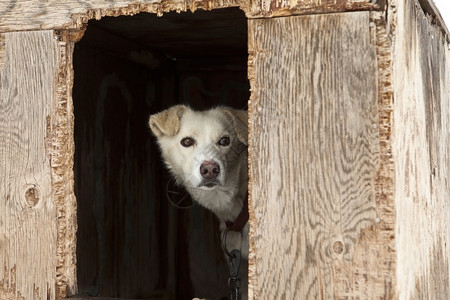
point(209, 169)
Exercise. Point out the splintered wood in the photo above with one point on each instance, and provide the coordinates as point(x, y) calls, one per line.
point(73, 14)
point(318, 231)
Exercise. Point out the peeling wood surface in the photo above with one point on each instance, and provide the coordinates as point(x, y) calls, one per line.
point(320, 228)
point(270, 8)
point(61, 152)
point(20, 15)
point(69, 14)
point(385, 181)
point(28, 214)
point(422, 156)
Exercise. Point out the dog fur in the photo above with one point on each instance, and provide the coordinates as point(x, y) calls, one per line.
point(206, 152)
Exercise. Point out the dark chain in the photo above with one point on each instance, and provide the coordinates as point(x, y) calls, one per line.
point(234, 262)
point(234, 284)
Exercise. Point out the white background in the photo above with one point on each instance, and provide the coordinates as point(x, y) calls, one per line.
point(444, 9)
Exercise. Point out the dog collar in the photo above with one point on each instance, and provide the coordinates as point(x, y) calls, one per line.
point(241, 219)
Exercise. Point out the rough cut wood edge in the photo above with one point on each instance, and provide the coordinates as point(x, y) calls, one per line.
point(421, 70)
point(159, 8)
point(73, 14)
point(61, 152)
point(277, 8)
point(385, 181)
point(252, 274)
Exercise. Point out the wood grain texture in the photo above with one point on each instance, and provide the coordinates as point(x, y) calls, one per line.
point(318, 231)
point(271, 8)
point(28, 224)
point(421, 152)
point(431, 9)
point(61, 147)
point(70, 14)
point(2, 50)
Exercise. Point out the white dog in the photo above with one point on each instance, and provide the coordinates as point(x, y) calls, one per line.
point(206, 152)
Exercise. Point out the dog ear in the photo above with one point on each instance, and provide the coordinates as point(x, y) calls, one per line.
point(240, 122)
point(167, 122)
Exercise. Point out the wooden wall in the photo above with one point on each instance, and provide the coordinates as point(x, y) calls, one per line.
point(73, 14)
point(349, 160)
point(421, 150)
point(319, 230)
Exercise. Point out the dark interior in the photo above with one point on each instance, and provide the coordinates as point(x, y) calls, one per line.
point(139, 236)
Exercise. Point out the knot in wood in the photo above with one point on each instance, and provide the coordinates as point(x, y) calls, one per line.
point(32, 196)
point(338, 247)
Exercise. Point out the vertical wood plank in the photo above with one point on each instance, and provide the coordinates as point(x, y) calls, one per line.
point(421, 150)
point(315, 159)
point(27, 212)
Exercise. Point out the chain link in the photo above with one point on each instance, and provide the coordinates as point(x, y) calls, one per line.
point(234, 262)
point(234, 284)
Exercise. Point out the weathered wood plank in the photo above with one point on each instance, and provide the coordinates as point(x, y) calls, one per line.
point(69, 14)
point(27, 211)
point(318, 228)
point(61, 151)
point(270, 8)
point(430, 8)
point(421, 152)
point(2, 50)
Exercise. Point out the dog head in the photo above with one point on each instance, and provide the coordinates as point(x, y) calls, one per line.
point(202, 149)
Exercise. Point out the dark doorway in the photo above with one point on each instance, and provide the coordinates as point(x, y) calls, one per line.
point(132, 242)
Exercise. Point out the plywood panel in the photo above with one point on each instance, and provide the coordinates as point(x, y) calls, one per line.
point(269, 8)
point(422, 157)
point(56, 14)
point(316, 202)
point(28, 215)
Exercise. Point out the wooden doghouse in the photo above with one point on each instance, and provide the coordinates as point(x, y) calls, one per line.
point(349, 147)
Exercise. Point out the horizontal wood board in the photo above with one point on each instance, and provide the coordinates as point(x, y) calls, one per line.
point(270, 8)
point(71, 14)
point(316, 220)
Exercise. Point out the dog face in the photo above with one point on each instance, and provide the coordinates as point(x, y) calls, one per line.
point(202, 149)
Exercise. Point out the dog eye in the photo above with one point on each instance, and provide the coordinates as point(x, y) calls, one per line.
point(224, 141)
point(187, 142)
